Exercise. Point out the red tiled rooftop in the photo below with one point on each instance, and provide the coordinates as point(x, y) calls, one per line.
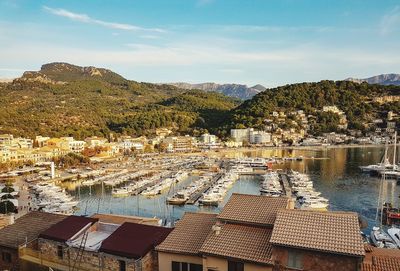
point(334, 232)
point(189, 234)
point(67, 228)
point(242, 242)
point(133, 240)
point(252, 209)
point(381, 259)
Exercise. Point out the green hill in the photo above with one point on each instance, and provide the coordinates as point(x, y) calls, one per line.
point(356, 100)
point(63, 99)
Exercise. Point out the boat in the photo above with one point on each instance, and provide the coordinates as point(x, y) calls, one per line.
point(394, 233)
point(381, 239)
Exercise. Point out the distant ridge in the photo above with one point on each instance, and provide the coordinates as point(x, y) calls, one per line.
point(383, 79)
point(242, 92)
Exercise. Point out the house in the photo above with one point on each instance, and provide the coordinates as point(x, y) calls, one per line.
point(317, 241)
point(236, 239)
point(22, 232)
point(93, 243)
point(95, 141)
point(181, 249)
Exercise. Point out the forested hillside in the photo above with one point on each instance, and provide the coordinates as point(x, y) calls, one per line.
point(356, 100)
point(63, 99)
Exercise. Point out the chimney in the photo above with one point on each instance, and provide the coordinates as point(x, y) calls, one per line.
point(216, 229)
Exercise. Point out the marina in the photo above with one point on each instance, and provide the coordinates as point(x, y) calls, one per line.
point(120, 188)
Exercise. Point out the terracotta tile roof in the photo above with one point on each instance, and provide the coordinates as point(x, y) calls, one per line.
point(252, 209)
point(334, 232)
point(247, 243)
point(28, 227)
point(381, 259)
point(382, 263)
point(134, 240)
point(189, 234)
point(67, 228)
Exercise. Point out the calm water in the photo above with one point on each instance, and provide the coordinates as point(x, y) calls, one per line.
point(334, 171)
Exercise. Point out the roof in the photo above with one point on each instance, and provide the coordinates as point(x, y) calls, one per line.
point(132, 240)
point(120, 219)
point(252, 209)
point(67, 228)
point(27, 228)
point(189, 234)
point(247, 243)
point(333, 232)
point(381, 259)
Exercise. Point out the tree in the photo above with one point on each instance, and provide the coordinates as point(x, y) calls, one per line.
point(6, 207)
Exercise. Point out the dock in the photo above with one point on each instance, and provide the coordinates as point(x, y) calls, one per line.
point(196, 196)
point(286, 186)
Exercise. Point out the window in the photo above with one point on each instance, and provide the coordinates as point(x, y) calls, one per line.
point(181, 266)
point(60, 252)
point(295, 259)
point(6, 257)
point(122, 265)
point(196, 267)
point(235, 266)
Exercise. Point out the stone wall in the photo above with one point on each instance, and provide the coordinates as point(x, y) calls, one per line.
point(316, 261)
point(14, 264)
point(96, 260)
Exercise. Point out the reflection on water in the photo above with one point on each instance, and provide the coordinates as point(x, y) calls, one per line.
point(334, 171)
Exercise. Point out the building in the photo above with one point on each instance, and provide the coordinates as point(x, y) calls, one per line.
point(260, 137)
point(129, 143)
point(236, 239)
point(179, 143)
point(89, 243)
point(163, 132)
point(208, 139)
point(240, 135)
point(95, 141)
point(6, 139)
point(317, 241)
point(181, 249)
point(23, 231)
point(41, 141)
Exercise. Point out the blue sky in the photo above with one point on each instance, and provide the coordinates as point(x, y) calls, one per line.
point(271, 42)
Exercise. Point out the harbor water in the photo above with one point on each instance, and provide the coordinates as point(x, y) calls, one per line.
point(335, 173)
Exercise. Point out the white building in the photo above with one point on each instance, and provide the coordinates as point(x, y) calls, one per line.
point(240, 135)
point(260, 137)
point(208, 139)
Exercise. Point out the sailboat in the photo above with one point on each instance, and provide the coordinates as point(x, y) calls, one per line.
point(391, 170)
point(378, 236)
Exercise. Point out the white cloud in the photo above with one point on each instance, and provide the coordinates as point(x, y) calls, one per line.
point(391, 21)
point(84, 18)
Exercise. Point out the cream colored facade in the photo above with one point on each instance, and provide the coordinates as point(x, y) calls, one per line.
point(165, 260)
point(221, 264)
point(209, 262)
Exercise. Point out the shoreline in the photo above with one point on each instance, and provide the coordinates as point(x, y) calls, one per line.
point(306, 148)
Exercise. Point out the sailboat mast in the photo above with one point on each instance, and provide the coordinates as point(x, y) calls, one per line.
point(394, 151)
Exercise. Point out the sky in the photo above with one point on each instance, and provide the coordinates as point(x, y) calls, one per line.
point(268, 42)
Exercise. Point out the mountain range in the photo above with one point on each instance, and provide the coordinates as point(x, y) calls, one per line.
point(242, 92)
point(383, 79)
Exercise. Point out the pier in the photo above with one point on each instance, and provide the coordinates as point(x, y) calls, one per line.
point(285, 184)
point(197, 195)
